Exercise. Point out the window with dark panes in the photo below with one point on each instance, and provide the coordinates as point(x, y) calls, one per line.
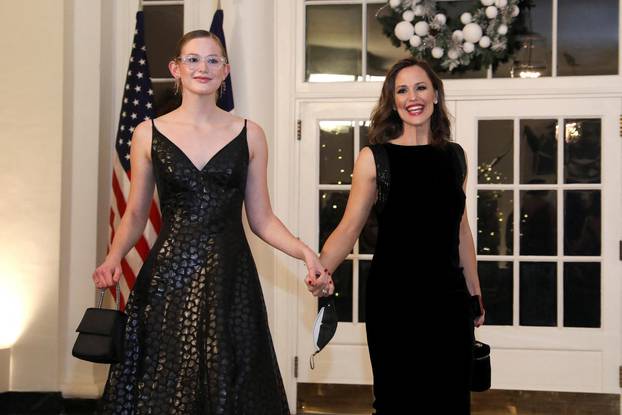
point(344, 41)
point(549, 171)
point(339, 143)
point(164, 26)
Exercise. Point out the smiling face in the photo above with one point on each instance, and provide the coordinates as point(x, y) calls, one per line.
point(414, 96)
point(200, 67)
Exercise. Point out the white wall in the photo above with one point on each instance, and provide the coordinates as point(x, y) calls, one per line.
point(79, 190)
point(249, 31)
point(31, 115)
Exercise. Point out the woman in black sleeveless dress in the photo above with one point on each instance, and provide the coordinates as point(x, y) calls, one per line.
point(197, 338)
point(424, 270)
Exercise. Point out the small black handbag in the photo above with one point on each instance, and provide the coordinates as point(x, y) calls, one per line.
point(480, 374)
point(101, 331)
point(480, 370)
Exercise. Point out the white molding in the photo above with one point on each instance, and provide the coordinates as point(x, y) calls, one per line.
point(285, 195)
point(480, 89)
point(82, 119)
point(198, 14)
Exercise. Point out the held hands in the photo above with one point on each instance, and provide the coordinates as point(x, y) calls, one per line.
point(319, 281)
point(107, 274)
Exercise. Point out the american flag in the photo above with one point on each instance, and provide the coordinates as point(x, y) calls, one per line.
point(136, 107)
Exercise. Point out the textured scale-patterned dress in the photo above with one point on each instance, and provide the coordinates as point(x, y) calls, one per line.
point(197, 338)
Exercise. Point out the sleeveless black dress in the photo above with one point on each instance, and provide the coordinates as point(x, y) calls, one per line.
point(419, 327)
point(197, 338)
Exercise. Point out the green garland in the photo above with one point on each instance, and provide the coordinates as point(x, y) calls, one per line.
point(453, 45)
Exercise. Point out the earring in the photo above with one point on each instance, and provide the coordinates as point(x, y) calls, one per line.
point(177, 84)
point(223, 88)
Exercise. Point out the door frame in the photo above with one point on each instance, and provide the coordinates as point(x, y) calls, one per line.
point(520, 348)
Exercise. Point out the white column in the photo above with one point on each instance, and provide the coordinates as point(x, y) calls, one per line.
point(80, 195)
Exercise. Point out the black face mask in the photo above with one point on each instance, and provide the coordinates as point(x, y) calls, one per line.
point(325, 325)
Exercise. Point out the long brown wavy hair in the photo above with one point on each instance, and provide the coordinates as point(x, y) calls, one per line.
point(386, 123)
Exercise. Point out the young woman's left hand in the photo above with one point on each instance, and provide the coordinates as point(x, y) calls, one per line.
point(318, 280)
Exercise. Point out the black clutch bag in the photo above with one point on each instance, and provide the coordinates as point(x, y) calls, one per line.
point(101, 331)
point(480, 371)
point(480, 374)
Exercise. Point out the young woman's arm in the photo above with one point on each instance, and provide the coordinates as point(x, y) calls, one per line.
point(137, 210)
point(259, 212)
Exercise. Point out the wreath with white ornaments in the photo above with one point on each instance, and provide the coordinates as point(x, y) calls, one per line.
point(484, 35)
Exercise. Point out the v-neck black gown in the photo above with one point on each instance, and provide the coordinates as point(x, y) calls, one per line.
point(419, 327)
point(197, 338)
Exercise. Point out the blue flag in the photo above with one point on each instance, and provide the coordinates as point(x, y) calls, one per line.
point(225, 101)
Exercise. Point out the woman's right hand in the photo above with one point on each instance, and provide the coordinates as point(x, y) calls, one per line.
point(107, 274)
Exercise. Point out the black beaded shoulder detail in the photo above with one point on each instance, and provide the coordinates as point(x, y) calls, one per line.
point(383, 175)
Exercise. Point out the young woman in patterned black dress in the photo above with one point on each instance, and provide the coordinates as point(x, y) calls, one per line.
point(197, 338)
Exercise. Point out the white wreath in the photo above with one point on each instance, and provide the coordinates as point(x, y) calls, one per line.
point(481, 34)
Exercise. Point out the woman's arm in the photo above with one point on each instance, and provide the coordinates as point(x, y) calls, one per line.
point(469, 263)
point(259, 212)
point(136, 212)
point(361, 199)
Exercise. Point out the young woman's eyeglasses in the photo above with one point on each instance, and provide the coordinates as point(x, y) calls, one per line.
point(192, 61)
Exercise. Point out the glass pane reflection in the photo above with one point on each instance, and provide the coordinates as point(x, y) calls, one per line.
point(364, 267)
point(582, 151)
point(538, 151)
point(538, 294)
point(582, 222)
point(541, 17)
point(587, 37)
point(164, 98)
point(494, 222)
point(495, 151)
point(538, 222)
point(363, 134)
point(342, 277)
point(336, 152)
point(162, 44)
point(582, 293)
point(369, 234)
point(333, 43)
point(497, 290)
point(381, 54)
point(332, 206)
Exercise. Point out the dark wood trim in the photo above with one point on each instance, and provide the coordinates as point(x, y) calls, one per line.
point(316, 398)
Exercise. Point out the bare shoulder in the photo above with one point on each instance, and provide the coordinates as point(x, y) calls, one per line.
point(254, 131)
point(142, 135)
point(256, 138)
point(365, 164)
